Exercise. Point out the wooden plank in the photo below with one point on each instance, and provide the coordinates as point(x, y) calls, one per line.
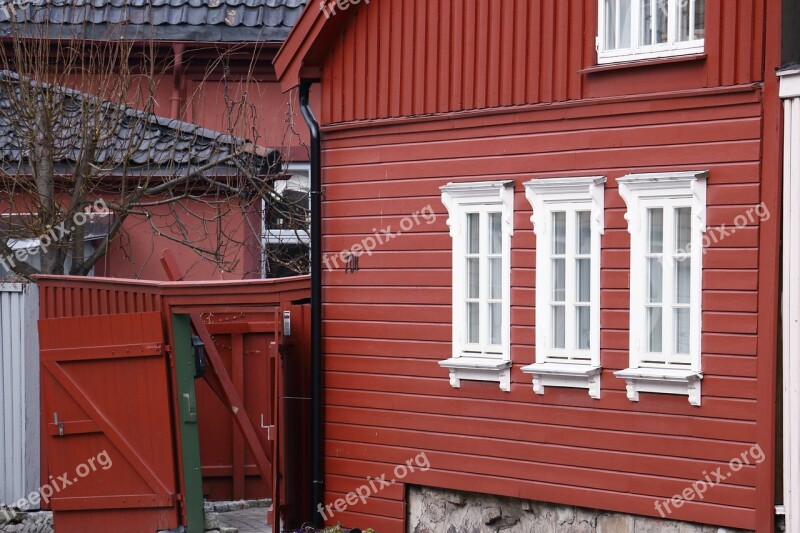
point(237, 377)
point(90, 353)
point(129, 501)
point(73, 427)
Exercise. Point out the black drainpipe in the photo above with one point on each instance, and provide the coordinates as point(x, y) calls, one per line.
point(317, 464)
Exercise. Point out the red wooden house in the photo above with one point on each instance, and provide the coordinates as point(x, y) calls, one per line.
point(549, 262)
point(213, 63)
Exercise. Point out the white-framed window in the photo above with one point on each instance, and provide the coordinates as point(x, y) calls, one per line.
point(481, 226)
point(666, 220)
point(629, 30)
point(568, 222)
point(285, 239)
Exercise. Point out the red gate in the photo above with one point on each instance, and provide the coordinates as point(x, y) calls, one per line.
point(106, 407)
point(243, 323)
point(244, 340)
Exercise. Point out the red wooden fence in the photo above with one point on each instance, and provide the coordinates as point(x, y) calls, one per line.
point(244, 319)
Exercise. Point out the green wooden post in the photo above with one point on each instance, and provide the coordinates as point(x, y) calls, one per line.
point(190, 436)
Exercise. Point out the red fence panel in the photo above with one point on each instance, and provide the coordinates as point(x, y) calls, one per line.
point(106, 413)
point(244, 319)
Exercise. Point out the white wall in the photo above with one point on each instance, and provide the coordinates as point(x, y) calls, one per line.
point(19, 391)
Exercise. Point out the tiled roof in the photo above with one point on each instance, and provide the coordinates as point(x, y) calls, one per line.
point(189, 20)
point(139, 141)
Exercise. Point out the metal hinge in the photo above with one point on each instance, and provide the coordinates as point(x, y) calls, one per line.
point(597, 44)
point(287, 323)
point(58, 424)
point(270, 429)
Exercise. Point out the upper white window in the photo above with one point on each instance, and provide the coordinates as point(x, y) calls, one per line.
point(481, 225)
point(666, 220)
point(568, 222)
point(630, 30)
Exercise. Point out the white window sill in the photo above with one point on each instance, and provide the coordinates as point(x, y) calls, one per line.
point(478, 369)
point(645, 53)
point(662, 380)
point(565, 375)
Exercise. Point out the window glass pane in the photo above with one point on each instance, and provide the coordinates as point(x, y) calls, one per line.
point(611, 25)
point(559, 324)
point(473, 233)
point(655, 276)
point(559, 275)
point(559, 233)
point(495, 278)
point(661, 10)
point(583, 269)
point(495, 323)
point(684, 20)
point(654, 329)
point(583, 327)
point(584, 233)
point(625, 23)
point(495, 235)
point(683, 229)
point(699, 19)
point(683, 280)
point(647, 22)
point(682, 331)
point(472, 322)
point(473, 278)
point(655, 231)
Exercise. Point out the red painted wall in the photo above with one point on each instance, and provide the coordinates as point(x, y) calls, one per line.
point(268, 117)
point(451, 55)
point(388, 324)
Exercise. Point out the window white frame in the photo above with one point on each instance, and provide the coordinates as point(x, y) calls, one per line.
point(299, 181)
point(569, 366)
point(480, 361)
point(676, 374)
point(637, 51)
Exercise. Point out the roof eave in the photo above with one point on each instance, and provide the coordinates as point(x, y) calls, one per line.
point(300, 57)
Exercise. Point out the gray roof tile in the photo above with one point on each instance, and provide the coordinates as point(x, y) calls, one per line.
point(216, 20)
point(155, 144)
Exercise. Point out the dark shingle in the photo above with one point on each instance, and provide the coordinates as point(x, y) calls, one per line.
point(158, 145)
point(189, 20)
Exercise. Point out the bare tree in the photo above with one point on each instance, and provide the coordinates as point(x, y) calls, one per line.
point(84, 157)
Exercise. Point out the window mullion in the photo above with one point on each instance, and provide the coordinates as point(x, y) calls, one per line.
point(483, 280)
point(668, 331)
point(570, 282)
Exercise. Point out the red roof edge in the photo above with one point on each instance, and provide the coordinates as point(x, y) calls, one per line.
point(302, 53)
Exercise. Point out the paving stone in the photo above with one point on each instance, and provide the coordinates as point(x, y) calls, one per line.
point(252, 520)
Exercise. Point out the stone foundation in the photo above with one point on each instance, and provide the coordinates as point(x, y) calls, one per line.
point(14, 521)
point(445, 511)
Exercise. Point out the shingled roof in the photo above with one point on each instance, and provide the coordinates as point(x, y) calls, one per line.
point(140, 142)
point(173, 20)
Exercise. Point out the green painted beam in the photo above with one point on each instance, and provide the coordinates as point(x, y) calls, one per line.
point(190, 436)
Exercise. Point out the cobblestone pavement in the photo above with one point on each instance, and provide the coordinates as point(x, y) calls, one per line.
point(246, 521)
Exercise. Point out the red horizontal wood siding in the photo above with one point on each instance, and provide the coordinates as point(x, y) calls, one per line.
point(420, 57)
point(388, 324)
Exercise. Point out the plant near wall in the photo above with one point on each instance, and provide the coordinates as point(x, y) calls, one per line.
point(338, 528)
point(78, 125)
